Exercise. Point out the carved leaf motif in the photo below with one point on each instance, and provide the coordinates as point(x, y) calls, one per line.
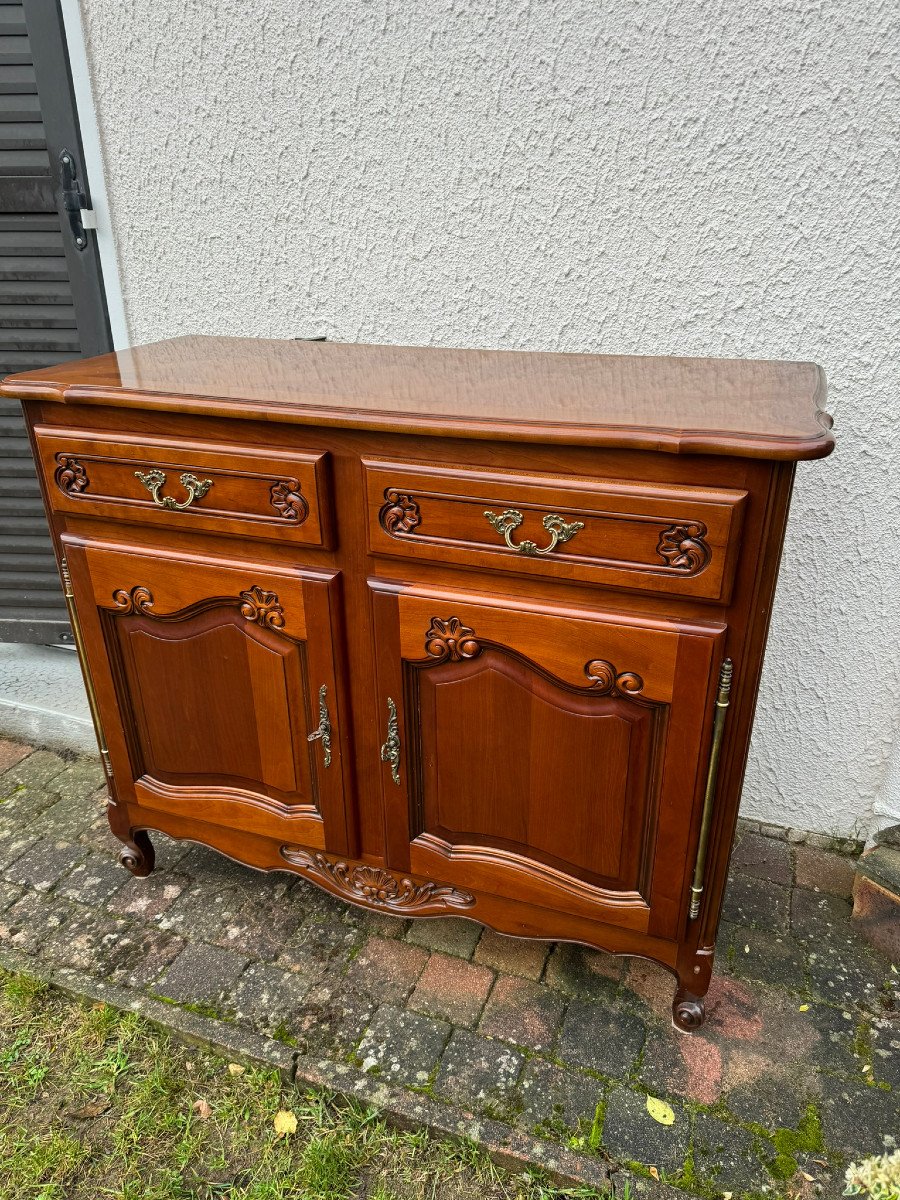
point(450, 640)
point(375, 886)
point(400, 514)
point(70, 475)
point(139, 599)
point(682, 547)
point(287, 500)
point(608, 682)
point(262, 607)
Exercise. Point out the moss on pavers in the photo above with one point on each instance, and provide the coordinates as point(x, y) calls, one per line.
point(727, 1157)
point(632, 1134)
point(450, 935)
point(754, 1030)
point(757, 903)
point(772, 958)
point(201, 975)
point(557, 1102)
point(513, 956)
point(403, 1046)
point(509, 1148)
point(525, 1013)
point(477, 1072)
point(601, 1039)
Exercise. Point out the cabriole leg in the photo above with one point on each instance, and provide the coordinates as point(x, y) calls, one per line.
point(138, 854)
point(688, 1010)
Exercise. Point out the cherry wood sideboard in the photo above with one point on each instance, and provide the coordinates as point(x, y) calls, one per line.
point(457, 632)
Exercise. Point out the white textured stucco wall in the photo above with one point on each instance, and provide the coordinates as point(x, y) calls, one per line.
point(676, 177)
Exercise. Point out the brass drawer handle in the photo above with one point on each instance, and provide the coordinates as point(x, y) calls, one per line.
point(154, 480)
point(323, 732)
point(390, 751)
point(560, 531)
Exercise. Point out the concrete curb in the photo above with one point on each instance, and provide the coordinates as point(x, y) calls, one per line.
point(507, 1147)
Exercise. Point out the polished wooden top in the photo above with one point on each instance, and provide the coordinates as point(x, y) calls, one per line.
point(681, 405)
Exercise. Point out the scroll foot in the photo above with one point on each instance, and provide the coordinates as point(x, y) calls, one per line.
point(688, 1011)
point(138, 854)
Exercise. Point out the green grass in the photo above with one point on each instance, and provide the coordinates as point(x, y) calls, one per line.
point(96, 1104)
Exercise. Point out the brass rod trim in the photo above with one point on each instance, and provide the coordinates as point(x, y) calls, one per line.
point(723, 699)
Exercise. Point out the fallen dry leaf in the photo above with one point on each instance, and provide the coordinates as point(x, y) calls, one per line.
point(808, 1178)
point(88, 1112)
point(236, 1069)
point(202, 1109)
point(285, 1123)
point(660, 1111)
point(653, 1171)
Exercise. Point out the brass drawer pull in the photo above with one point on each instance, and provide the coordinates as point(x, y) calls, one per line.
point(390, 751)
point(154, 480)
point(323, 732)
point(560, 531)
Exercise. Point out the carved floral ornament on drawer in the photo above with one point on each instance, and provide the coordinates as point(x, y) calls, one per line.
point(399, 514)
point(70, 475)
point(375, 886)
point(288, 502)
point(682, 545)
point(255, 605)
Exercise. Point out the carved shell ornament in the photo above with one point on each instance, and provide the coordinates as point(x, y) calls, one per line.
point(682, 547)
point(375, 886)
point(451, 640)
point(70, 475)
point(399, 514)
point(608, 682)
point(288, 502)
point(262, 607)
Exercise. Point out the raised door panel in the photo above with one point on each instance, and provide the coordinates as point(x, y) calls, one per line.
point(211, 676)
point(550, 755)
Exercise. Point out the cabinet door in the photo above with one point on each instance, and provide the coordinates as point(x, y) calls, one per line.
point(553, 756)
point(210, 676)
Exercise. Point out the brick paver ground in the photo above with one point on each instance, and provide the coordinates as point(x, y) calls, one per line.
point(796, 1071)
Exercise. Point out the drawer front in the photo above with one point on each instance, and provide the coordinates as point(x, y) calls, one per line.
point(203, 486)
point(663, 538)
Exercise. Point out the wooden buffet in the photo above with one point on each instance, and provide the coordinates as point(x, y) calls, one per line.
point(446, 632)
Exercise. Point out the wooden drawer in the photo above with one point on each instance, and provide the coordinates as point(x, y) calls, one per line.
point(277, 495)
point(668, 538)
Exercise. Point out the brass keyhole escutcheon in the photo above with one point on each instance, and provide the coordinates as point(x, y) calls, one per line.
point(390, 751)
point(323, 732)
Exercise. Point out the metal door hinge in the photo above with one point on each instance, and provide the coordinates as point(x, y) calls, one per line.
point(74, 201)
